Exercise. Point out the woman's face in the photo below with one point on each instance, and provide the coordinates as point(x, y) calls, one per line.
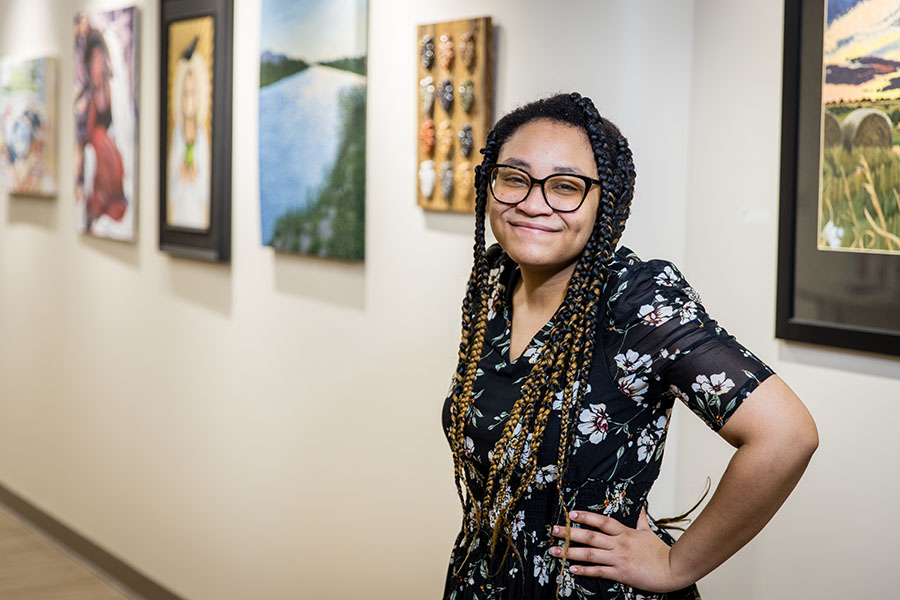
point(532, 233)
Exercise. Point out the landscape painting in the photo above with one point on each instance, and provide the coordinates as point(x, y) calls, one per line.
point(28, 126)
point(859, 202)
point(312, 127)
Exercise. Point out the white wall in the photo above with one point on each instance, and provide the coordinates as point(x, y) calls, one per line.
point(836, 537)
point(256, 430)
point(270, 429)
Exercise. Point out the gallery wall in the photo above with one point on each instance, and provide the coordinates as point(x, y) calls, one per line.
point(270, 429)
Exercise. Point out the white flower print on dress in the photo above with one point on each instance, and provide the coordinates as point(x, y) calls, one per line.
point(568, 583)
point(545, 475)
point(517, 523)
point(594, 423)
point(557, 402)
point(667, 278)
point(616, 501)
point(646, 444)
point(688, 312)
point(655, 315)
point(632, 361)
point(469, 449)
point(634, 387)
point(714, 384)
point(541, 569)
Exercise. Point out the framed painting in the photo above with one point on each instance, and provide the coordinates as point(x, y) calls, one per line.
point(28, 126)
point(195, 129)
point(312, 127)
point(839, 224)
point(106, 123)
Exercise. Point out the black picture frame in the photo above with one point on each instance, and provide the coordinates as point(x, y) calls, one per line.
point(832, 298)
point(214, 242)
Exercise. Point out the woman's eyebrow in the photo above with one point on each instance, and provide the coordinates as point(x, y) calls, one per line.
point(517, 162)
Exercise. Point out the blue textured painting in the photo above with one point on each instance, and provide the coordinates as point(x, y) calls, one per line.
point(312, 127)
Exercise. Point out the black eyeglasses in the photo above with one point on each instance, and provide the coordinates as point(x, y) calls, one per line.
point(563, 192)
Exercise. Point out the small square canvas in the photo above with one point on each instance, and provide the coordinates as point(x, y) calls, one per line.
point(28, 126)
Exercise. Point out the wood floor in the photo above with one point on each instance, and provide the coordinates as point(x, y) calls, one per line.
point(33, 568)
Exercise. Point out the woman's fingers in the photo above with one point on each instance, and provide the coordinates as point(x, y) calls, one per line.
point(585, 554)
point(605, 524)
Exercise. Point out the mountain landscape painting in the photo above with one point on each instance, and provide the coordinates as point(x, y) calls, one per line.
point(859, 201)
point(312, 127)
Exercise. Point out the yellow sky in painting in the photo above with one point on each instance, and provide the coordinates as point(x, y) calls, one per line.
point(868, 29)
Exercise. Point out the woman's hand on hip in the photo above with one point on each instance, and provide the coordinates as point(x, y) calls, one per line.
point(635, 557)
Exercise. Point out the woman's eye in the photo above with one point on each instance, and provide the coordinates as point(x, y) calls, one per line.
point(565, 187)
point(513, 180)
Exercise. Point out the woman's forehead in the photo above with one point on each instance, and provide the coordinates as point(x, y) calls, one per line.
point(549, 145)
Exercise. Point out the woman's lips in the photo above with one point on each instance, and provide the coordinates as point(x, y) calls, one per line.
point(536, 227)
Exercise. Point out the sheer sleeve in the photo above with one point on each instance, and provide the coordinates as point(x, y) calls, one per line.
point(663, 345)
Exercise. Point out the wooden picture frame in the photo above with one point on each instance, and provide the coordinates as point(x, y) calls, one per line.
point(443, 167)
point(843, 297)
point(195, 128)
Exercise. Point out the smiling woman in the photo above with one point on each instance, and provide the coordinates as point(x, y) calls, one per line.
point(572, 354)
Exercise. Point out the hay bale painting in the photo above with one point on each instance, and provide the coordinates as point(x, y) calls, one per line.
point(866, 127)
point(859, 199)
point(831, 130)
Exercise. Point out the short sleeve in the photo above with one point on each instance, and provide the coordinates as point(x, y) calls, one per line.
point(665, 345)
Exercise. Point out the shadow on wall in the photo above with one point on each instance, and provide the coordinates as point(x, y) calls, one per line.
point(205, 284)
point(40, 212)
point(329, 281)
point(840, 359)
point(124, 252)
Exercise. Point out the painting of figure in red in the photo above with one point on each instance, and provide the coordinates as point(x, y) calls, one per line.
point(106, 123)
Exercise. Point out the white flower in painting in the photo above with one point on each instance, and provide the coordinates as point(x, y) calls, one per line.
point(469, 449)
point(646, 444)
point(655, 315)
point(634, 387)
point(832, 234)
point(631, 361)
point(688, 312)
point(594, 422)
point(517, 523)
point(667, 278)
point(545, 475)
point(715, 384)
point(541, 569)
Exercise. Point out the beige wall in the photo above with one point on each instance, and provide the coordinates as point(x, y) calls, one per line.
point(270, 429)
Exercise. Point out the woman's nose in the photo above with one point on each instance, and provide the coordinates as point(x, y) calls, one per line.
point(534, 203)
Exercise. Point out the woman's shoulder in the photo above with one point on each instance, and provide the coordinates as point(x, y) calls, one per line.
point(633, 282)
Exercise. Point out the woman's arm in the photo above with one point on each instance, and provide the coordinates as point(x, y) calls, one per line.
point(775, 437)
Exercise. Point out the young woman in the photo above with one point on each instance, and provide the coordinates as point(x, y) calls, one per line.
point(572, 354)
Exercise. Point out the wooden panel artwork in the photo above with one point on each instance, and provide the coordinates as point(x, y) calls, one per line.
point(455, 95)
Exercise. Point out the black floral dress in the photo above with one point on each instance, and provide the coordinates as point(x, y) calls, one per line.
point(657, 344)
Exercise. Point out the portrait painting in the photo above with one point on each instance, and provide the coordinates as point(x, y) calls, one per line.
point(189, 123)
point(106, 125)
point(28, 126)
point(312, 127)
point(859, 203)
